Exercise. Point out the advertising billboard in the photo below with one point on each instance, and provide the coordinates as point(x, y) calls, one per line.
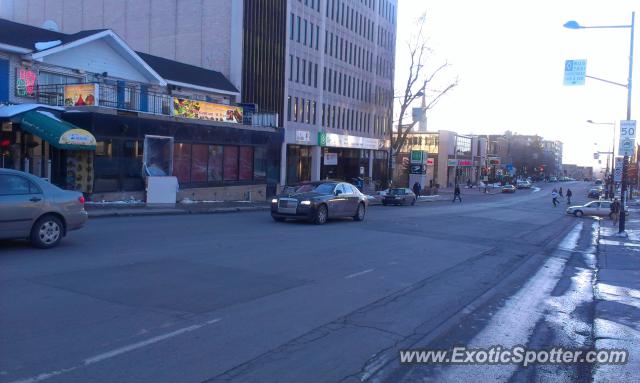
point(81, 95)
point(203, 110)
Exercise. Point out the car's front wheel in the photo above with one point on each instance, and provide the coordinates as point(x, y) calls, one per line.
point(47, 232)
point(360, 212)
point(321, 215)
point(578, 213)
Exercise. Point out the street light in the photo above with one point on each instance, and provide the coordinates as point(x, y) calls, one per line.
point(575, 25)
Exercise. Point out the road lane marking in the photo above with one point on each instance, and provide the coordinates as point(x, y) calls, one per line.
point(358, 274)
point(118, 351)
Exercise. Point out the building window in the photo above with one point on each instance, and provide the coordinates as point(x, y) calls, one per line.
point(295, 110)
point(298, 37)
point(308, 112)
point(297, 69)
point(305, 32)
point(289, 108)
point(199, 163)
point(310, 72)
point(315, 76)
point(302, 111)
point(290, 67)
point(292, 26)
point(182, 162)
point(311, 39)
point(304, 71)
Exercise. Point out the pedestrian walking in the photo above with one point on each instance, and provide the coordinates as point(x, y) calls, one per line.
point(456, 194)
point(560, 193)
point(569, 195)
point(615, 211)
point(416, 189)
point(554, 196)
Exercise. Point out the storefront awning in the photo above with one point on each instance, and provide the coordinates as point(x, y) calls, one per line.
point(58, 133)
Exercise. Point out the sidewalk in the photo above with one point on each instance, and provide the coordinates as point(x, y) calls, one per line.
point(617, 297)
point(141, 209)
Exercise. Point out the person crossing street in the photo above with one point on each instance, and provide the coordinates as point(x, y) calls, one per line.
point(569, 194)
point(456, 194)
point(554, 196)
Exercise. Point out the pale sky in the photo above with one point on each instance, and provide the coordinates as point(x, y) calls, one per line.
point(509, 58)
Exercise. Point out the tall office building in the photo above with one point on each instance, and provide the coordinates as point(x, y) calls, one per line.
point(326, 66)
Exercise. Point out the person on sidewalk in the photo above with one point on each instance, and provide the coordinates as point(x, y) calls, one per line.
point(416, 189)
point(560, 193)
point(569, 195)
point(615, 211)
point(456, 194)
point(554, 196)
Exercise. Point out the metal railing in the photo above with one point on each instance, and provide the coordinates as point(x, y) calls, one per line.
point(130, 98)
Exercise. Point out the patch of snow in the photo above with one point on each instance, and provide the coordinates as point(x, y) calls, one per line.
point(120, 202)
point(12, 110)
point(44, 45)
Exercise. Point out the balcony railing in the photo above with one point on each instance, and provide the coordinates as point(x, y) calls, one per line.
point(132, 99)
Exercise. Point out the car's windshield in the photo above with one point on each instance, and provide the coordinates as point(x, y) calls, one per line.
point(323, 188)
point(397, 192)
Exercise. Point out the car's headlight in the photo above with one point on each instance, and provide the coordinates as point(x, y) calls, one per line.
point(275, 200)
point(305, 203)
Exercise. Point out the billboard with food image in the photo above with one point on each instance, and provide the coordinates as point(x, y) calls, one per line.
point(202, 110)
point(81, 95)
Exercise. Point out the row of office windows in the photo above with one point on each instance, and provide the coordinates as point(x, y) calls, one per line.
point(347, 51)
point(303, 71)
point(383, 67)
point(313, 4)
point(383, 96)
point(345, 85)
point(304, 31)
point(350, 19)
point(301, 110)
point(386, 39)
point(338, 117)
point(387, 10)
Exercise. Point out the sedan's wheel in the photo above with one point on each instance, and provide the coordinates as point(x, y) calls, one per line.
point(359, 213)
point(321, 215)
point(578, 213)
point(47, 232)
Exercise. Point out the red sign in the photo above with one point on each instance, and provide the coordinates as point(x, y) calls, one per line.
point(465, 163)
point(25, 82)
point(430, 161)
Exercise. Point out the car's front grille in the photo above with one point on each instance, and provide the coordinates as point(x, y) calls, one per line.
point(287, 203)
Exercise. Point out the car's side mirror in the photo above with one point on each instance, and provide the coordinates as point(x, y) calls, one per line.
point(338, 192)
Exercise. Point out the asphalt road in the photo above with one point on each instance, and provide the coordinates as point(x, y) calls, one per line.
point(238, 297)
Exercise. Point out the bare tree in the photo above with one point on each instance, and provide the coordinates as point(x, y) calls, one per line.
point(419, 84)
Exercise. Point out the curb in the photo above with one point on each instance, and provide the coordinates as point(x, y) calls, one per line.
point(147, 213)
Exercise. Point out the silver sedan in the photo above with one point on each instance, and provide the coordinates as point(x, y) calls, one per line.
point(32, 208)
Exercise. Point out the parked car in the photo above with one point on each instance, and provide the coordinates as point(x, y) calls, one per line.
point(553, 179)
point(594, 193)
point(319, 201)
point(399, 196)
point(34, 209)
point(508, 189)
point(523, 185)
point(598, 182)
point(594, 208)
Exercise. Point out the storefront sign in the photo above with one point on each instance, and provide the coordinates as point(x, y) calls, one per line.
point(81, 95)
point(430, 162)
point(465, 163)
point(345, 141)
point(248, 110)
point(418, 169)
point(77, 137)
point(202, 110)
point(303, 136)
point(25, 82)
point(494, 161)
point(331, 158)
point(452, 162)
point(418, 156)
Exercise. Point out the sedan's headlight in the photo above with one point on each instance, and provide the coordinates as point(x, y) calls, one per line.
point(275, 200)
point(305, 203)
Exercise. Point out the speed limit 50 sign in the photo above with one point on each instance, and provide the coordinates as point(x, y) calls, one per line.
point(627, 137)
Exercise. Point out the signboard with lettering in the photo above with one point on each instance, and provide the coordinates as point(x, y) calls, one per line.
point(465, 163)
point(25, 82)
point(345, 141)
point(452, 162)
point(627, 141)
point(418, 169)
point(617, 173)
point(575, 72)
point(331, 158)
point(430, 162)
point(303, 136)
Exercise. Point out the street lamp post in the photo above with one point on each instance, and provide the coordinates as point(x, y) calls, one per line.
point(575, 25)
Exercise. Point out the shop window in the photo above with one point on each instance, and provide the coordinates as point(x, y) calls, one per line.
point(132, 165)
point(182, 162)
point(260, 164)
point(215, 163)
point(230, 163)
point(246, 163)
point(106, 168)
point(199, 162)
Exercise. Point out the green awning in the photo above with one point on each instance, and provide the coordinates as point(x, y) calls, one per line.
point(58, 133)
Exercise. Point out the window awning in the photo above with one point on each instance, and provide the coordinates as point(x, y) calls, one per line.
point(58, 133)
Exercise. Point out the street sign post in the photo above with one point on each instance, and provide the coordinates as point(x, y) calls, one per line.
point(627, 137)
point(575, 72)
